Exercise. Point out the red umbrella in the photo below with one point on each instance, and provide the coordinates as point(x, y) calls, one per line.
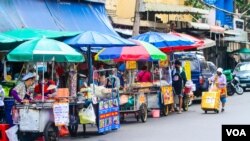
point(198, 42)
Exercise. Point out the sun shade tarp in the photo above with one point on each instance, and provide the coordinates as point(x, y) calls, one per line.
point(53, 15)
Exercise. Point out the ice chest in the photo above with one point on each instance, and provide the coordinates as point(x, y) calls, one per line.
point(210, 101)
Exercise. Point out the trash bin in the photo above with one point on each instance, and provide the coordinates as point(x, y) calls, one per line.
point(8, 104)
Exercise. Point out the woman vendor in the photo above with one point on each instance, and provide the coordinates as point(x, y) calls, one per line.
point(47, 83)
point(21, 92)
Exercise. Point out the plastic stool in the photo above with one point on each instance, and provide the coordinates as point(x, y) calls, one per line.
point(3, 128)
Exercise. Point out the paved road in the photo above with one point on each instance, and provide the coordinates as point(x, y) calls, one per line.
point(193, 125)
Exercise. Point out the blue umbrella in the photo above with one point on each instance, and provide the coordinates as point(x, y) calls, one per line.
point(165, 41)
point(91, 39)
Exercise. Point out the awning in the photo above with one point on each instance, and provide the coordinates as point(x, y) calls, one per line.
point(232, 32)
point(191, 25)
point(199, 26)
point(170, 9)
point(242, 37)
point(207, 43)
point(217, 29)
point(53, 15)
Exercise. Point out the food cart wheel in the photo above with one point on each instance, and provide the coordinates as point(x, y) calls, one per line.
point(143, 112)
point(216, 111)
point(51, 132)
point(165, 110)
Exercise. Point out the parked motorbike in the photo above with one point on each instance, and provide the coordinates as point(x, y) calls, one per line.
point(233, 87)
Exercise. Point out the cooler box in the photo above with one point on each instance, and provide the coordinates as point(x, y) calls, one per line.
point(210, 101)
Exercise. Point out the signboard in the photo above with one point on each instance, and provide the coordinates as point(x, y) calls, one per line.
point(61, 113)
point(163, 64)
point(130, 65)
point(187, 68)
point(167, 94)
point(109, 118)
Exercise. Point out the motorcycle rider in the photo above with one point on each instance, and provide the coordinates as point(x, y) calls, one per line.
point(220, 82)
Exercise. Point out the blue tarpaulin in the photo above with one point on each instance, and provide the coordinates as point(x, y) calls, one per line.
point(53, 15)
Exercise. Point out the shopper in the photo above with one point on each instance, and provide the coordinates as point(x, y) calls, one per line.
point(220, 81)
point(179, 80)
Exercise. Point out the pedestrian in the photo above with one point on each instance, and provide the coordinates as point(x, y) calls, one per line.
point(144, 75)
point(220, 81)
point(178, 81)
point(2, 113)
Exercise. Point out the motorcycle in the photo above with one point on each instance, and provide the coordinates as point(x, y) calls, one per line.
point(233, 87)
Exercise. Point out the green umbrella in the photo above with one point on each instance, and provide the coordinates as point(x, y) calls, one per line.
point(4, 38)
point(28, 33)
point(8, 42)
point(242, 50)
point(44, 50)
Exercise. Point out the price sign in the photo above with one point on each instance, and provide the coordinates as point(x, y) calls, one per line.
point(61, 113)
point(130, 65)
point(163, 64)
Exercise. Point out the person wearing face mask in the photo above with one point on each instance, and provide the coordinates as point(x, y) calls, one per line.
point(21, 92)
point(220, 81)
point(179, 79)
point(47, 83)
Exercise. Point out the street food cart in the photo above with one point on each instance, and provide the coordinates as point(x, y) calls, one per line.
point(45, 115)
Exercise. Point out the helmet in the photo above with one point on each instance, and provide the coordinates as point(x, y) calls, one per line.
point(220, 70)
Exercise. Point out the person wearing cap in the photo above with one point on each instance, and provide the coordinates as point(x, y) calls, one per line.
point(21, 92)
point(47, 83)
point(220, 81)
point(179, 79)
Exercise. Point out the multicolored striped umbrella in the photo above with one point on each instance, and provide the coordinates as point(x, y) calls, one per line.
point(165, 41)
point(143, 51)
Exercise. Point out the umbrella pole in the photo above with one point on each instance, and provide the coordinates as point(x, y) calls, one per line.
point(90, 79)
point(43, 82)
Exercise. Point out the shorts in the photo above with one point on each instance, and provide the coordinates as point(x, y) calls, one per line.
point(223, 99)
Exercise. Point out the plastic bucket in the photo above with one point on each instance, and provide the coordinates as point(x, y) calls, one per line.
point(3, 128)
point(155, 113)
point(8, 103)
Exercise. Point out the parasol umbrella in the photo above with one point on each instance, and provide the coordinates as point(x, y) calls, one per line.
point(165, 41)
point(91, 39)
point(242, 51)
point(41, 50)
point(143, 51)
point(29, 33)
point(8, 42)
point(197, 42)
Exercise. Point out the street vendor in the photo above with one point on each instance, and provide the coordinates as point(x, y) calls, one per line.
point(144, 75)
point(220, 81)
point(21, 92)
point(113, 81)
point(47, 83)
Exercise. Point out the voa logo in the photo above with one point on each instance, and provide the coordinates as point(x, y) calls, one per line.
point(236, 132)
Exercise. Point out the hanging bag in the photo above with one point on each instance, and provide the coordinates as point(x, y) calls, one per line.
point(87, 116)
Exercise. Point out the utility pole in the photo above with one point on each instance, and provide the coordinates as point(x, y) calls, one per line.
point(136, 26)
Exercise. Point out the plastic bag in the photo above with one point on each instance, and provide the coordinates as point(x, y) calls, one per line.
point(63, 131)
point(213, 88)
point(87, 116)
point(11, 133)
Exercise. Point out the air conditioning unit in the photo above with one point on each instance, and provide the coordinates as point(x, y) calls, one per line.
point(238, 24)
